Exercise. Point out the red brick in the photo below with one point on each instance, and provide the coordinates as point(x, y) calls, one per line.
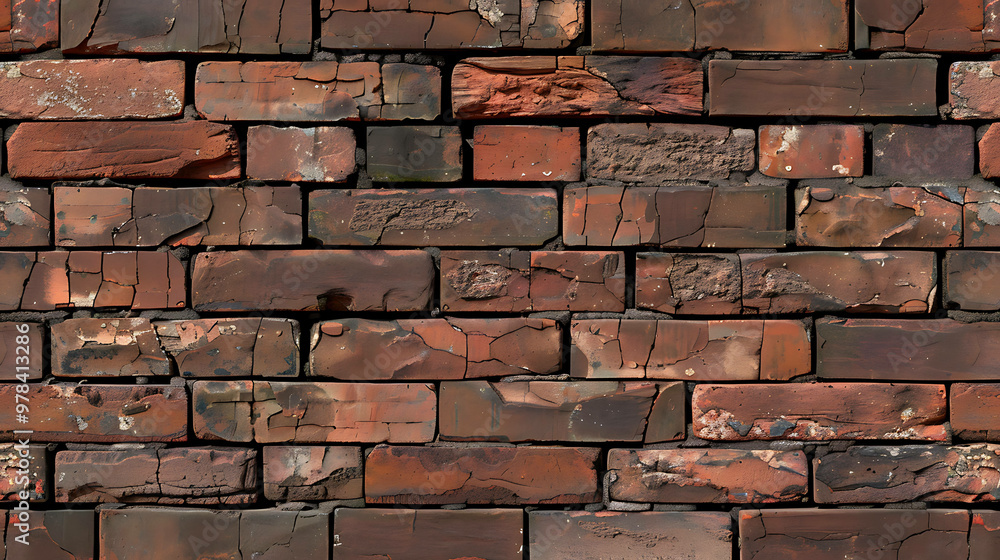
point(321, 154)
point(932, 25)
point(592, 86)
point(989, 153)
point(312, 280)
point(695, 216)
point(653, 153)
point(707, 476)
point(362, 534)
point(975, 411)
point(221, 410)
point(12, 360)
point(25, 216)
point(536, 281)
point(481, 475)
point(190, 475)
point(569, 535)
point(822, 88)
point(240, 347)
point(812, 151)
point(434, 217)
point(313, 472)
point(316, 91)
point(148, 26)
point(99, 413)
point(107, 347)
point(433, 349)
point(29, 25)
point(526, 153)
point(131, 150)
point(450, 25)
point(689, 350)
point(849, 216)
point(970, 280)
point(971, 93)
point(944, 151)
point(415, 153)
point(31, 477)
point(688, 283)
point(819, 411)
point(52, 534)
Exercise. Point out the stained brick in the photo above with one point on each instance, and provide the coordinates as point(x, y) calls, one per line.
point(434, 217)
point(296, 473)
point(946, 151)
point(100, 413)
point(829, 88)
point(312, 280)
point(316, 91)
point(526, 153)
point(981, 219)
point(62, 534)
point(432, 349)
point(12, 361)
point(975, 411)
point(28, 25)
point(535, 281)
point(322, 154)
point(689, 350)
point(25, 216)
point(848, 216)
point(707, 476)
point(190, 475)
point(653, 153)
point(688, 283)
point(970, 280)
point(591, 86)
point(819, 411)
point(360, 534)
point(220, 410)
point(971, 93)
point(239, 347)
point(32, 477)
point(481, 475)
point(984, 535)
point(134, 150)
point(812, 151)
point(107, 347)
point(415, 153)
point(148, 26)
point(694, 216)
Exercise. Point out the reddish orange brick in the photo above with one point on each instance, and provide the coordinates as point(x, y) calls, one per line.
point(321, 154)
point(812, 151)
point(526, 153)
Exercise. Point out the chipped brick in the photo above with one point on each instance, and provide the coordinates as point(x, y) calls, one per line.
point(984, 535)
point(17, 477)
point(526, 153)
point(945, 151)
point(812, 151)
point(415, 153)
point(258, 347)
point(29, 25)
point(972, 90)
point(975, 411)
point(12, 362)
point(107, 347)
point(688, 283)
point(296, 473)
point(220, 410)
point(321, 154)
point(970, 280)
point(25, 216)
point(931, 25)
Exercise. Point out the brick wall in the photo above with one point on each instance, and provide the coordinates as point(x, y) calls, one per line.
point(499, 279)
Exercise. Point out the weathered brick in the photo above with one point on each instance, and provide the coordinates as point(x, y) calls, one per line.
point(693, 216)
point(989, 153)
point(822, 88)
point(970, 280)
point(99, 413)
point(12, 361)
point(668, 418)
point(107, 348)
point(850, 533)
point(946, 151)
point(240, 347)
point(568, 535)
point(590, 86)
point(707, 476)
point(753, 25)
point(312, 280)
point(113, 88)
point(62, 534)
point(849, 216)
point(432, 349)
point(316, 91)
point(193, 534)
point(653, 153)
point(930, 350)
point(481, 475)
point(526, 153)
point(25, 216)
point(689, 350)
point(17, 477)
point(321, 154)
point(429, 24)
point(819, 411)
point(221, 410)
point(361, 534)
point(133, 150)
point(532, 281)
point(812, 151)
point(589, 411)
point(54, 280)
point(434, 217)
point(981, 217)
point(688, 283)
point(148, 26)
point(927, 473)
point(933, 25)
point(189, 475)
point(28, 25)
point(975, 411)
point(984, 535)
point(296, 473)
point(972, 90)
point(415, 153)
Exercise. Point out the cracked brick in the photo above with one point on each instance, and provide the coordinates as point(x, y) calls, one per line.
point(945, 151)
point(526, 153)
point(981, 217)
point(812, 151)
point(967, 26)
point(322, 154)
point(10, 365)
point(984, 535)
point(688, 283)
point(29, 25)
point(975, 411)
point(315, 472)
point(221, 410)
point(62, 534)
point(969, 279)
point(25, 216)
point(17, 477)
point(238, 347)
point(427, 153)
point(107, 348)
point(577, 86)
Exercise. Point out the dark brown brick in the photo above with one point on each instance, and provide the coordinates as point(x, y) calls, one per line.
point(297, 473)
point(819, 411)
point(481, 475)
point(946, 151)
point(933, 25)
point(434, 217)
point(312, 280)
point(526, 153)
point(322, 154)
point(695, 216)
point(125, 347)
point(28, 25)
point(31, 477)
point(240, 347)
point(428, 153)
point(975, 411)
point(822, 88)
point(984, 535)
point(26, 363)
point(591, 86)
point(25, 216)
point(707, 476)
point(970, 280)
point(62, 534)
point(812, 151)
